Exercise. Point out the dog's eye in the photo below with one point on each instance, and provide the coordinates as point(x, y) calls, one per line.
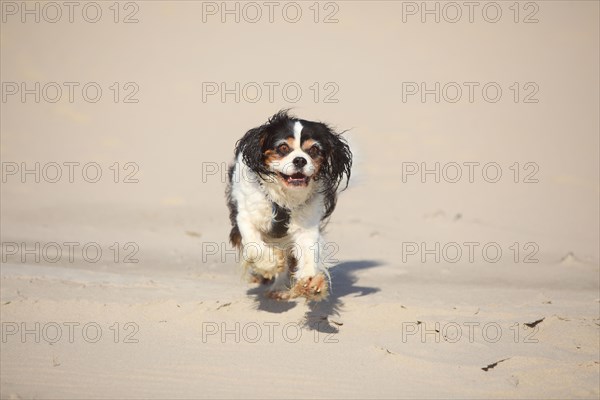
point(314, 151)
point(283, 148)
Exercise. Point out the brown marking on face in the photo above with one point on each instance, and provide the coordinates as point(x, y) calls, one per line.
point(290, 145)
point(271, 156)
point(316, 157)
point(308, 143)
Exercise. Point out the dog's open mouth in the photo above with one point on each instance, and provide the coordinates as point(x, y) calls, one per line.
point(297, 179)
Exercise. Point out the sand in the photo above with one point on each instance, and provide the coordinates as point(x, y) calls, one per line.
point(480, 286)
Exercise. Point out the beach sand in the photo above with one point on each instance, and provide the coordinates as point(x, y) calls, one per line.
point(450, 281)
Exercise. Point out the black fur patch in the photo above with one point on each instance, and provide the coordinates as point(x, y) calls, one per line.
point(280, 222)
point(234, 236)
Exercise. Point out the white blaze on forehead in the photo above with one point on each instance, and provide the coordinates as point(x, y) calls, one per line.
point(297, 133)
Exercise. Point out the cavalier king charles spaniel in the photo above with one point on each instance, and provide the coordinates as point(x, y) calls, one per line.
point(281, 190)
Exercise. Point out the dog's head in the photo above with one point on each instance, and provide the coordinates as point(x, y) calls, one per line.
point(294, 152)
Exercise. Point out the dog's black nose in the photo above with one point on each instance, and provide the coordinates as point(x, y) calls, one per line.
point(299, 162)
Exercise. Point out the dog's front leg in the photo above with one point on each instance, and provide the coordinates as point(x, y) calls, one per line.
point(311, 272)
point(262, 258)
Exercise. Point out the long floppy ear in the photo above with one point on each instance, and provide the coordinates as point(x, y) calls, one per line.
point(339, 160)
point(251, 148)
point(338, 163)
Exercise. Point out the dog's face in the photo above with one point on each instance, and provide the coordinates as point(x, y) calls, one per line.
point(296, 152)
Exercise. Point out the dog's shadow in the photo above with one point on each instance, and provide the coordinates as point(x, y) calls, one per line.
point(322, 315)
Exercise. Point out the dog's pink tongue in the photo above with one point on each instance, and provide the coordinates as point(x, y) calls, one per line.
point(297, 179)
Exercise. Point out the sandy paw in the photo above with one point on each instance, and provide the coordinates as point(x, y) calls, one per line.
point(281, 295)
point(314, 288)
point(266, 265)
point(256, 278)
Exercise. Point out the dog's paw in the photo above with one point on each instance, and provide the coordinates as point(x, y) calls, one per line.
point(258, 279)
point(265, 263)
point(280, 295)
point(314, 288)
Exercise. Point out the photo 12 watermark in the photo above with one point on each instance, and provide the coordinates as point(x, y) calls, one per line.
point(69, 172)
point(219, 171)
point(452, 12)
point(471, 252)
point(226, 252)
point(252, 12)
point(69, 92)
point(265, 332)
point(52, 12)
point(52, 332)
point(470, 92)
point(468, 172)
point(454, 332)
point(269, 92)
point(71, 252)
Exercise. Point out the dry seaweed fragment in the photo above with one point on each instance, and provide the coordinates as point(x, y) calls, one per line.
point(493, 365)
point(534, 323)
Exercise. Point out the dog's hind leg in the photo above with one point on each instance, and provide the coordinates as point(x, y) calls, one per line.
point(280, 288)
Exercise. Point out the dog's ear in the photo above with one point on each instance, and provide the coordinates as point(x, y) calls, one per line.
point(251, 148)
point(338, 163)
point(339, 160)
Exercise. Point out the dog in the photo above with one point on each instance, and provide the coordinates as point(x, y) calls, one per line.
point(282, 188)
